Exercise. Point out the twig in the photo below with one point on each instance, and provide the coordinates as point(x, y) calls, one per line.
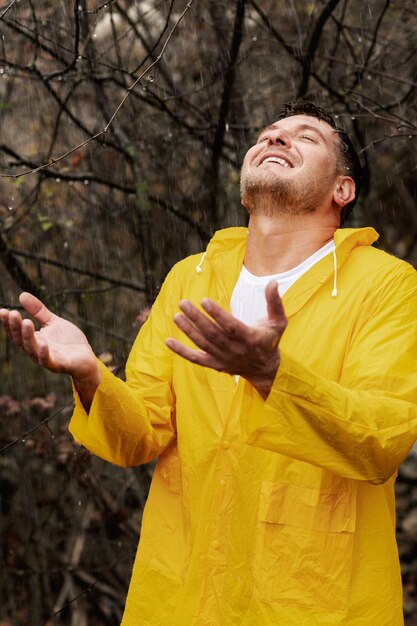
point(77, 270)
point(44, 422)
point(72, 64)
point(104, 130)
point(370, 70)
point(381, 139)
point(99, 8)
point(15, 270)
point(7, 9)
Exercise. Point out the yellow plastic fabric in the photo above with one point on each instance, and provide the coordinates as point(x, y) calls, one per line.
point(279, 512)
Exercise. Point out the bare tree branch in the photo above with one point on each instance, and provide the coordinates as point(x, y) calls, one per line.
point(313, 45)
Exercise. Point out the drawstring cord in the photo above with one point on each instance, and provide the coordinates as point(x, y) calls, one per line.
point(198, 268)
point(334, 292)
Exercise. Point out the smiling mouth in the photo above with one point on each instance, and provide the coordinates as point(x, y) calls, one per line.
point(278, 160)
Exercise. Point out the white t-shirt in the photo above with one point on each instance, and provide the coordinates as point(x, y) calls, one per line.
point(248, 302)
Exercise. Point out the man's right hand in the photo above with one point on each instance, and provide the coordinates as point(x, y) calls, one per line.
point(58, 346)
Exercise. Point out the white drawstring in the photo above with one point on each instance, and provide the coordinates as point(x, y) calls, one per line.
point(334, 292)
point(199, 269)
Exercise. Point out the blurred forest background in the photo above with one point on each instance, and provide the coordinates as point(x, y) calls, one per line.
point(122, 129)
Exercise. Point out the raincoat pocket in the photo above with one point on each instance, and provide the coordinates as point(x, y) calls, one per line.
point(303, 546)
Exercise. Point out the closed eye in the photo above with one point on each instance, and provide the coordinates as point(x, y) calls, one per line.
point(309, 138)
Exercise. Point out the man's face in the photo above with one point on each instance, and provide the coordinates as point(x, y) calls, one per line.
point(291, 168)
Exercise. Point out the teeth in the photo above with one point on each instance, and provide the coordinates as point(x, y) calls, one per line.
point(277, 160)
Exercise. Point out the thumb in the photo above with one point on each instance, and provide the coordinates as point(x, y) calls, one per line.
point(275, 310)
point(35, 307)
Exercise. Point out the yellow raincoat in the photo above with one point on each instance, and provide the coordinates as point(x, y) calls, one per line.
point(279, 512)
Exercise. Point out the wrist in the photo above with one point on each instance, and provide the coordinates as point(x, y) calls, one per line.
point(263, 381)
point(86, 385)
point(89, 379)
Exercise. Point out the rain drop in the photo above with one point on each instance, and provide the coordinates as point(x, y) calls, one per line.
point(86, 181)
point(254, 38)
point(57, 180)
point(353, 117)
point(1, 70)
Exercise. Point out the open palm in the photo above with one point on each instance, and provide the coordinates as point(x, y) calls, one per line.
point(59, 345)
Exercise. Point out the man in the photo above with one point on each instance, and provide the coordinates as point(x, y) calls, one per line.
point(272, 500)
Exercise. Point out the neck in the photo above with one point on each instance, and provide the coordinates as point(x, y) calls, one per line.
point(279, 243)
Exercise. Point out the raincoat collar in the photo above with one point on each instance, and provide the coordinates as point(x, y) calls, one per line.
point(322, 274)
point(226, 251)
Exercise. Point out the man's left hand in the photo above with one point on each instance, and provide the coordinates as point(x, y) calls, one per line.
point(228, 345)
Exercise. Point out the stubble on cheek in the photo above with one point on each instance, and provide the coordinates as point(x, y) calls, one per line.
point(266, 194)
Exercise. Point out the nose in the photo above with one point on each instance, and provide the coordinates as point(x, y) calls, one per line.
point(280, 137)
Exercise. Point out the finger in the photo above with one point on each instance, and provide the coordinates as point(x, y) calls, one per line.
point(15, 327)
point(232, 327)
point(198, 357)
point(275, 309)
point(4, 319)
point(35, 307)
point(208, 329)
point(43, 354)
point(212, 344)
point(29, 341)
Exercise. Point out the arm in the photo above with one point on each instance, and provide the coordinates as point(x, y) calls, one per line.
point(362, 426)
point(132, 422)
point(125, 423)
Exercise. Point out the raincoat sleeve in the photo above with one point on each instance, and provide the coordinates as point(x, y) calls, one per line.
point(132, 422)
point(362, 426)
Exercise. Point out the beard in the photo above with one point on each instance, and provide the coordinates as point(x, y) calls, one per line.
point(263, 194)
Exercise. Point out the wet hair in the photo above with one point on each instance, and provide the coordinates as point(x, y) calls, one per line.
point(348, 162)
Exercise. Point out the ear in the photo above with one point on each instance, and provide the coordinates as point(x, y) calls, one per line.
point(344, 191)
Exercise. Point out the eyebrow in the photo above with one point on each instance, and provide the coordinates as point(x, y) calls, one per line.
point(303, 126)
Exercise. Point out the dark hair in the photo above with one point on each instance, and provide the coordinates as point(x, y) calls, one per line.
point(348, 161)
